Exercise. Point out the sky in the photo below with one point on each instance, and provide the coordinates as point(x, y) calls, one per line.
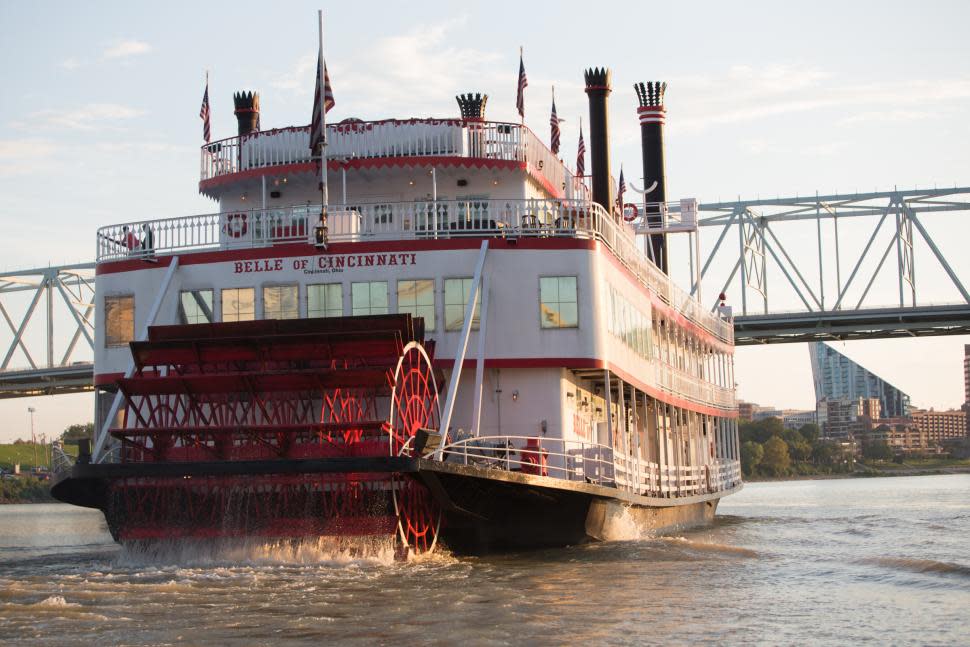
point(99, 120)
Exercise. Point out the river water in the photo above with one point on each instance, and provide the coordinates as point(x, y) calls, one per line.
point(812, 562)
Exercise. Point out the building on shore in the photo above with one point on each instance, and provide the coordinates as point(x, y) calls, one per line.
point(796, 419)
point(941, 425)
point(901, 434)
point(837, 377)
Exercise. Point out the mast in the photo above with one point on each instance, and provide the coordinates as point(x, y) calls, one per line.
point(324, 189)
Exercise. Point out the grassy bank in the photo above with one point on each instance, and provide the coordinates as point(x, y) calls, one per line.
point(27, 455)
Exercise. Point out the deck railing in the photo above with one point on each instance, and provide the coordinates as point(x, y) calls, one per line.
point(405, 221)
point(591, 463)
point(388, 138)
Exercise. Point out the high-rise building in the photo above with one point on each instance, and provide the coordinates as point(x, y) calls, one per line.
point(837, 377)
point(966, 375)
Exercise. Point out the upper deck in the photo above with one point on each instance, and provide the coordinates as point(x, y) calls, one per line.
point(387, 143)
point(426, 221)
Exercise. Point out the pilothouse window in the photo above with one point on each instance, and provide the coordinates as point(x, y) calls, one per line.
point(119, 320)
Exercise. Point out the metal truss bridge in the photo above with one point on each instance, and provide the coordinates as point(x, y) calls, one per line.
point(823, 280)
point(47, 312)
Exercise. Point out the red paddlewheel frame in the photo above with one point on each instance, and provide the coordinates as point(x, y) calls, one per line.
point(418, 516)
point(414, 399)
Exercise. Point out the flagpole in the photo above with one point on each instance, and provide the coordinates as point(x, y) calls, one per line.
point(521, 63)
point(324, 189)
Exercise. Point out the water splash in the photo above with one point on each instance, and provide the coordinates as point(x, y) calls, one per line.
point(318, 551)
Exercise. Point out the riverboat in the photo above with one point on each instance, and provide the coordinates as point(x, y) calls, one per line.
point(464, 343)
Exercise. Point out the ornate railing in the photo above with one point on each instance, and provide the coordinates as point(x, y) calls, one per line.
point(405, 221)
point(591, 463)
point(387, 138)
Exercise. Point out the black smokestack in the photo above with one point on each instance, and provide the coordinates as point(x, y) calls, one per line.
point(472, 106)
point(247, 111)
point(652, 115)
point(598, 90)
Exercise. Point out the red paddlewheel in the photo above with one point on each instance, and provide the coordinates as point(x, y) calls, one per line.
point(414, 400)
point(418, 516)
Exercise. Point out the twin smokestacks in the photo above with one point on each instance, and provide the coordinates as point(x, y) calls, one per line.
point(598, 88)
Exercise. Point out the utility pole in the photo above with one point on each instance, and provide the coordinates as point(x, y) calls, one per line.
point(33, 438)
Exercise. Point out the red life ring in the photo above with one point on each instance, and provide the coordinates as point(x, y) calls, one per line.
point(236, 225)
point(636, 211)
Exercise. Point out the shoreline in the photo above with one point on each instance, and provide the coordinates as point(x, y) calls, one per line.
point(871, 473)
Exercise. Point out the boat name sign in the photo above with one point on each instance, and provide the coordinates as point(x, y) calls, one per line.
point(325, 264)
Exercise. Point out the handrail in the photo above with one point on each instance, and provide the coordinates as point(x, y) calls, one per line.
point(593, 463)
point(61, 462)
point(406, 221)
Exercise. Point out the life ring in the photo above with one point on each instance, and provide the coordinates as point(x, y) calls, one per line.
point(636, 211)
point(237, 225)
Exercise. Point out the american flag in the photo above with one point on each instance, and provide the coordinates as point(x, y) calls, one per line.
point(523, 83)
point(554, 124)
point(204, 114)
point(581, 155)
point(316, 132)
point(621, 190)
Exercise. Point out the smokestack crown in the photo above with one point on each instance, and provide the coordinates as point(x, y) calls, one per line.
point(247, 111)
point(651, 93)
point(599, 78)
point(472, 106)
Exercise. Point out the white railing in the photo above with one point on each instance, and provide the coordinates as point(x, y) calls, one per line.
point(388, 138)
point(682, 384)
point(404, 221)
point(61, 462)
point(590, 463)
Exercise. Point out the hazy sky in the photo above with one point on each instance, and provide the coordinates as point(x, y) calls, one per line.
point(100, 100)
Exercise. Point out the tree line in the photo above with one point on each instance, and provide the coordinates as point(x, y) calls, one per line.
point(769, 449)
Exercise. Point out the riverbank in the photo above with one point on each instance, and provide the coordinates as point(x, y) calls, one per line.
point(868, 472)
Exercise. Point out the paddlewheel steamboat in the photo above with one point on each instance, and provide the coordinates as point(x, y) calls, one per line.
point(467, 343)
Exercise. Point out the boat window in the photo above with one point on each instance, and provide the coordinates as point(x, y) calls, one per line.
point(457, 292)
point(195, 307)
point(369, 298)
point(417, 297)
point(119, 320)
point(324, 300)
point(557, 302)
point(238, 304)
point(281, 302)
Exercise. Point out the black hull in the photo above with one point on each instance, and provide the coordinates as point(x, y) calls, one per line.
point(484, 510)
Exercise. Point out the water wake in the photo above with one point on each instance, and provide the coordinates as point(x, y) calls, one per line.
point(711, 547)
point(914, 565)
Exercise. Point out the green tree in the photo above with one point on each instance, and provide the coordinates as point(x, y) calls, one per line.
point(776, 459)
point(810, 433)
point(877, 451)
point(751, 455)
point(75, 432)
point(799, 449)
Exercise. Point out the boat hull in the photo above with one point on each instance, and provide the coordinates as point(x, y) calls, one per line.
point(482, 510)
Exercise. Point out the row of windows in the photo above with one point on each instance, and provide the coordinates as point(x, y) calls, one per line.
point(628, 324)
point(558, 304)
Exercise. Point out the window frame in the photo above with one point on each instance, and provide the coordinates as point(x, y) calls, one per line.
point(575, 278)
point(370, 297)
point(118, 343)
point(222, 299)
point(181, 306)
point(325, 309)
point(279, 286)
point(476, 312)
point(428, 326)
